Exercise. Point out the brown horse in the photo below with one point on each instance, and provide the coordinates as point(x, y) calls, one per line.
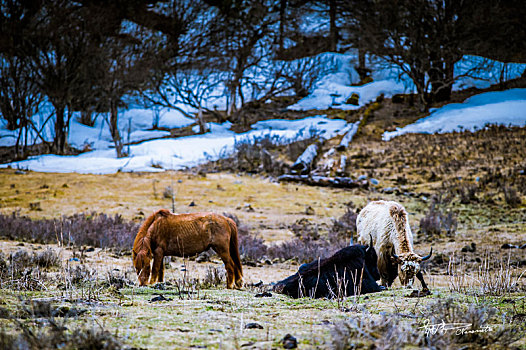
point(166, 234)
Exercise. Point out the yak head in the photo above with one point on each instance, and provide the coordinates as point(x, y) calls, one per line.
point(409, 266)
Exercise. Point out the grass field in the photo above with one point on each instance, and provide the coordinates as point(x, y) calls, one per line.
point(93, 292)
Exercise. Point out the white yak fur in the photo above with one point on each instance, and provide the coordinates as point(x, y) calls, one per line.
point(388, 224)
point(375, 220)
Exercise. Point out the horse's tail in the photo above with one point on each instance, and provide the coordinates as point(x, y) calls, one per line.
point(141, 245)
point(234, 245)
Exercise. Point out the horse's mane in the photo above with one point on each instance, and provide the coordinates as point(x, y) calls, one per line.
point(141, 242)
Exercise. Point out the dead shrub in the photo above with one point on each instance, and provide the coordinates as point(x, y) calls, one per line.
point(369, 332)
point(79, 275)
point(304, 250)
point(251, 246)
point(57, 335)
point(214, 277)
point(21, 272)
point(511, 196)
point(436, 223)
point(46, 259)
point(117, 279)
point(491, 276)
point(97, 230)
point(306, 229)
point(476, 325)
point(345, 226)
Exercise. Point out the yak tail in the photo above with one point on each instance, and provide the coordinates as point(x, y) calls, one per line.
point(234, 245)
point(141, 245)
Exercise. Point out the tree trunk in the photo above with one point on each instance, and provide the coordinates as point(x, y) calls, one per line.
point(114, 129)
point(441, 80)
point(232, 105)
point(305, 162)
point(86, 118)
point(203, 129)
point(313, 180)
point(282, 8)
point(333, 35)
point(60, 140)
point(348, 136)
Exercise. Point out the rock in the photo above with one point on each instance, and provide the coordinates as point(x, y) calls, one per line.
point(192, 204)
point(523, 246)
point(389, 190)
point(353, 100)
point(35, 206)
point(259, 284)
point(361, 177)
point(20, 172)
point(418, 293)
point(508, 246)
point(160, 297)
point(398, 98)
point(263, 295)
point(253, 325)
point(469, 248)
point(289, 342)
point(309, 210)
point(247, 207)
point(203, 257)
point(159, 286)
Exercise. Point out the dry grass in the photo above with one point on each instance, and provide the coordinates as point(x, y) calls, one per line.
point(273, 203)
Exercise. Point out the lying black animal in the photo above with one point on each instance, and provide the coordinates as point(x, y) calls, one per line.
point(350, 266)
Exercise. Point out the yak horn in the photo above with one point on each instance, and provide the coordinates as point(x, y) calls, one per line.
point(370, 244)
point(428, 256)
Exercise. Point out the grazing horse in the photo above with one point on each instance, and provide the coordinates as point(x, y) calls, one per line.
point(166, 234)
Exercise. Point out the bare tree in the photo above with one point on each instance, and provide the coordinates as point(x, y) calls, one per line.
point(19, 98)
point(241, 36)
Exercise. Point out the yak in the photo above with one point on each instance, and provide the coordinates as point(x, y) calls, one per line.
point(351, 270)
point(388, 225)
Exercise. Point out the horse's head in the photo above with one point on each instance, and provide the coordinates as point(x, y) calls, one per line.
point(141, 262)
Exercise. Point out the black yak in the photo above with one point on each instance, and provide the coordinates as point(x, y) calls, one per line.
point(352, 270)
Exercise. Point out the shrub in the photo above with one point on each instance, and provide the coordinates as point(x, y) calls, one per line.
point(490, 277)
point(99, 230)
point(57, 336)
point(214, 277)
point(511, 197)
point(303, 249)
point(46, 259)
point(386, 331)
point(22, 272)
point(251, 247)
point(345, 226)
point(435, 223)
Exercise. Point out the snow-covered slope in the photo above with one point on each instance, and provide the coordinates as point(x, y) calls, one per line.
point(333, 89)
point(157, 155)
point(501, 107)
